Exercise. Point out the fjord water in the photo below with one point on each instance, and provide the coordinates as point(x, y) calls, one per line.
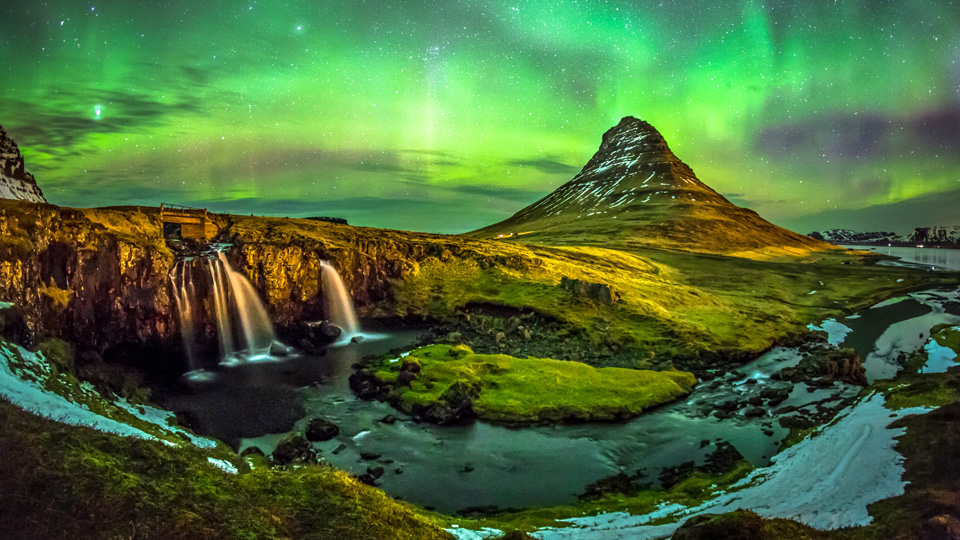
point(931, 257)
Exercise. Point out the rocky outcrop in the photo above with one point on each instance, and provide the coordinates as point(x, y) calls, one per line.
point(599, 292)
point(15, 181)
point(75, 278)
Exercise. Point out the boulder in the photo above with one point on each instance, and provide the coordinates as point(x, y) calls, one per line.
point(600, 292)
point(294, 449)
point(319, 429)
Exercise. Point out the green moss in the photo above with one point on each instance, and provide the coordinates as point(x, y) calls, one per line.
point(527, 390)
point(59, 353)
point(948, 336)
point(60, 297)
point(62, 481)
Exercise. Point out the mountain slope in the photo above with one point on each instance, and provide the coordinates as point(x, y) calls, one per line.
point(635, 192)
point(15, 181)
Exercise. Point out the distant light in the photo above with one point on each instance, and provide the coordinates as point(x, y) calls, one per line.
point(96, 111)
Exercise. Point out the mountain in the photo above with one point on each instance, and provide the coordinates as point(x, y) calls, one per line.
point(945, 236)
point(847, 236)
point(636, 193)
point(15, 181)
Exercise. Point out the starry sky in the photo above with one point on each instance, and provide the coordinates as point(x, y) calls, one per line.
point(445, 116)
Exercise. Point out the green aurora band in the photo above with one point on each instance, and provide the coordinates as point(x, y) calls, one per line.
point(447, 116)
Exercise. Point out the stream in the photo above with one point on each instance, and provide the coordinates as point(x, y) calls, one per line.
point(479, 465)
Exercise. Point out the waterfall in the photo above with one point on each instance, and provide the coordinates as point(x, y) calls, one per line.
point(338, 302)
point(229, 305)
point(183, 294)
point(257, 329)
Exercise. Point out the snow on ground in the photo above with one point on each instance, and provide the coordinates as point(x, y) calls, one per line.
point(30, 396)
point(825, 481)
point(939, 358)
point(163, 420)
point(24, 388)
point(467, 534)
point(836, 332)
point(223, 464)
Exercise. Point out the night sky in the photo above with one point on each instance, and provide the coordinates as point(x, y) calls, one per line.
point(445, 116)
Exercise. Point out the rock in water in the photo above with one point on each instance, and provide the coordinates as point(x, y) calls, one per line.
point(635, 192)
point(15, 181)
point(320, 429)
point(294, 449)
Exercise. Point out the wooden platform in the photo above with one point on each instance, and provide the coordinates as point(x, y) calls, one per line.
point(195, 223)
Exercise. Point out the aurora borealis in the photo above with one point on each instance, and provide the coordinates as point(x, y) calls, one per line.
point(447, 116)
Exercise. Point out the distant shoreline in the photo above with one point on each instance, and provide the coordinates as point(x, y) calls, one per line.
point(900, 245)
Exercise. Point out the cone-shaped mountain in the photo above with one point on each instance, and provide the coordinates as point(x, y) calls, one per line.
point(635, 192)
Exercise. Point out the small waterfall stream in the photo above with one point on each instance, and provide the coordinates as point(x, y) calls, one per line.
point(209, 293)
point(338, 303)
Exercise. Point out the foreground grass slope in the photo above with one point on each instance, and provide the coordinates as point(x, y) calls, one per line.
point(74, 482)
point(502, 388)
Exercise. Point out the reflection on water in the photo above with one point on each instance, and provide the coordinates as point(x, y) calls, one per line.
point(934, 258)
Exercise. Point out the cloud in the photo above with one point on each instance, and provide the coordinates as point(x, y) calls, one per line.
point(548, 166)
point(853, 136)
point(903, 217)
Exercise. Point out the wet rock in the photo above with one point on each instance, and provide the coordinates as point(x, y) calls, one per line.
point(754, 412)
point(356, 339)
point(671, 476)
point(404, 378)
point(398, 470)
point(389, 419)
point(320, 429)
point(617, 484)
point(775, 396)
point(455, 404)
point(368, 479)
point(294, 449)
point(365, 385)
point(340, 448)
point(278, 349)
point(251, 451)
point(370, 456)
point(723, 459)
point(376, 471)
point(467, 468)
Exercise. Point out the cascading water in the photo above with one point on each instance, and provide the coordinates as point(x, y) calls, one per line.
point(183, 295)
point(338, 303)
point(210, 292)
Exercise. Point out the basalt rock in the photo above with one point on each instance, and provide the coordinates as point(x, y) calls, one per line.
point(294, 450)
point(320, 429)
point(826, 365)
point(599, 292)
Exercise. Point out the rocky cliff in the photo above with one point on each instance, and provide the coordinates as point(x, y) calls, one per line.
point(15, 181)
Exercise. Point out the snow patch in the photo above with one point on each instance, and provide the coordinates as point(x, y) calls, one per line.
point(223, 464)
point(836, 332)
point(939, 358)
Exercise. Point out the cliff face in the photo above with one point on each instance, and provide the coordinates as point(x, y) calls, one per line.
point(101, 278)
point(15, 181)
point(73, 274)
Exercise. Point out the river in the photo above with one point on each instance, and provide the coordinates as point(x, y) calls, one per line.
point(451, 468)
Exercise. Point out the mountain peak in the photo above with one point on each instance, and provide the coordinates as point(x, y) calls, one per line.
point(634, 192)
point(15, 181)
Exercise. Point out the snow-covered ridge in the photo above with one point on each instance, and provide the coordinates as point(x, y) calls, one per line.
point(920, 236)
